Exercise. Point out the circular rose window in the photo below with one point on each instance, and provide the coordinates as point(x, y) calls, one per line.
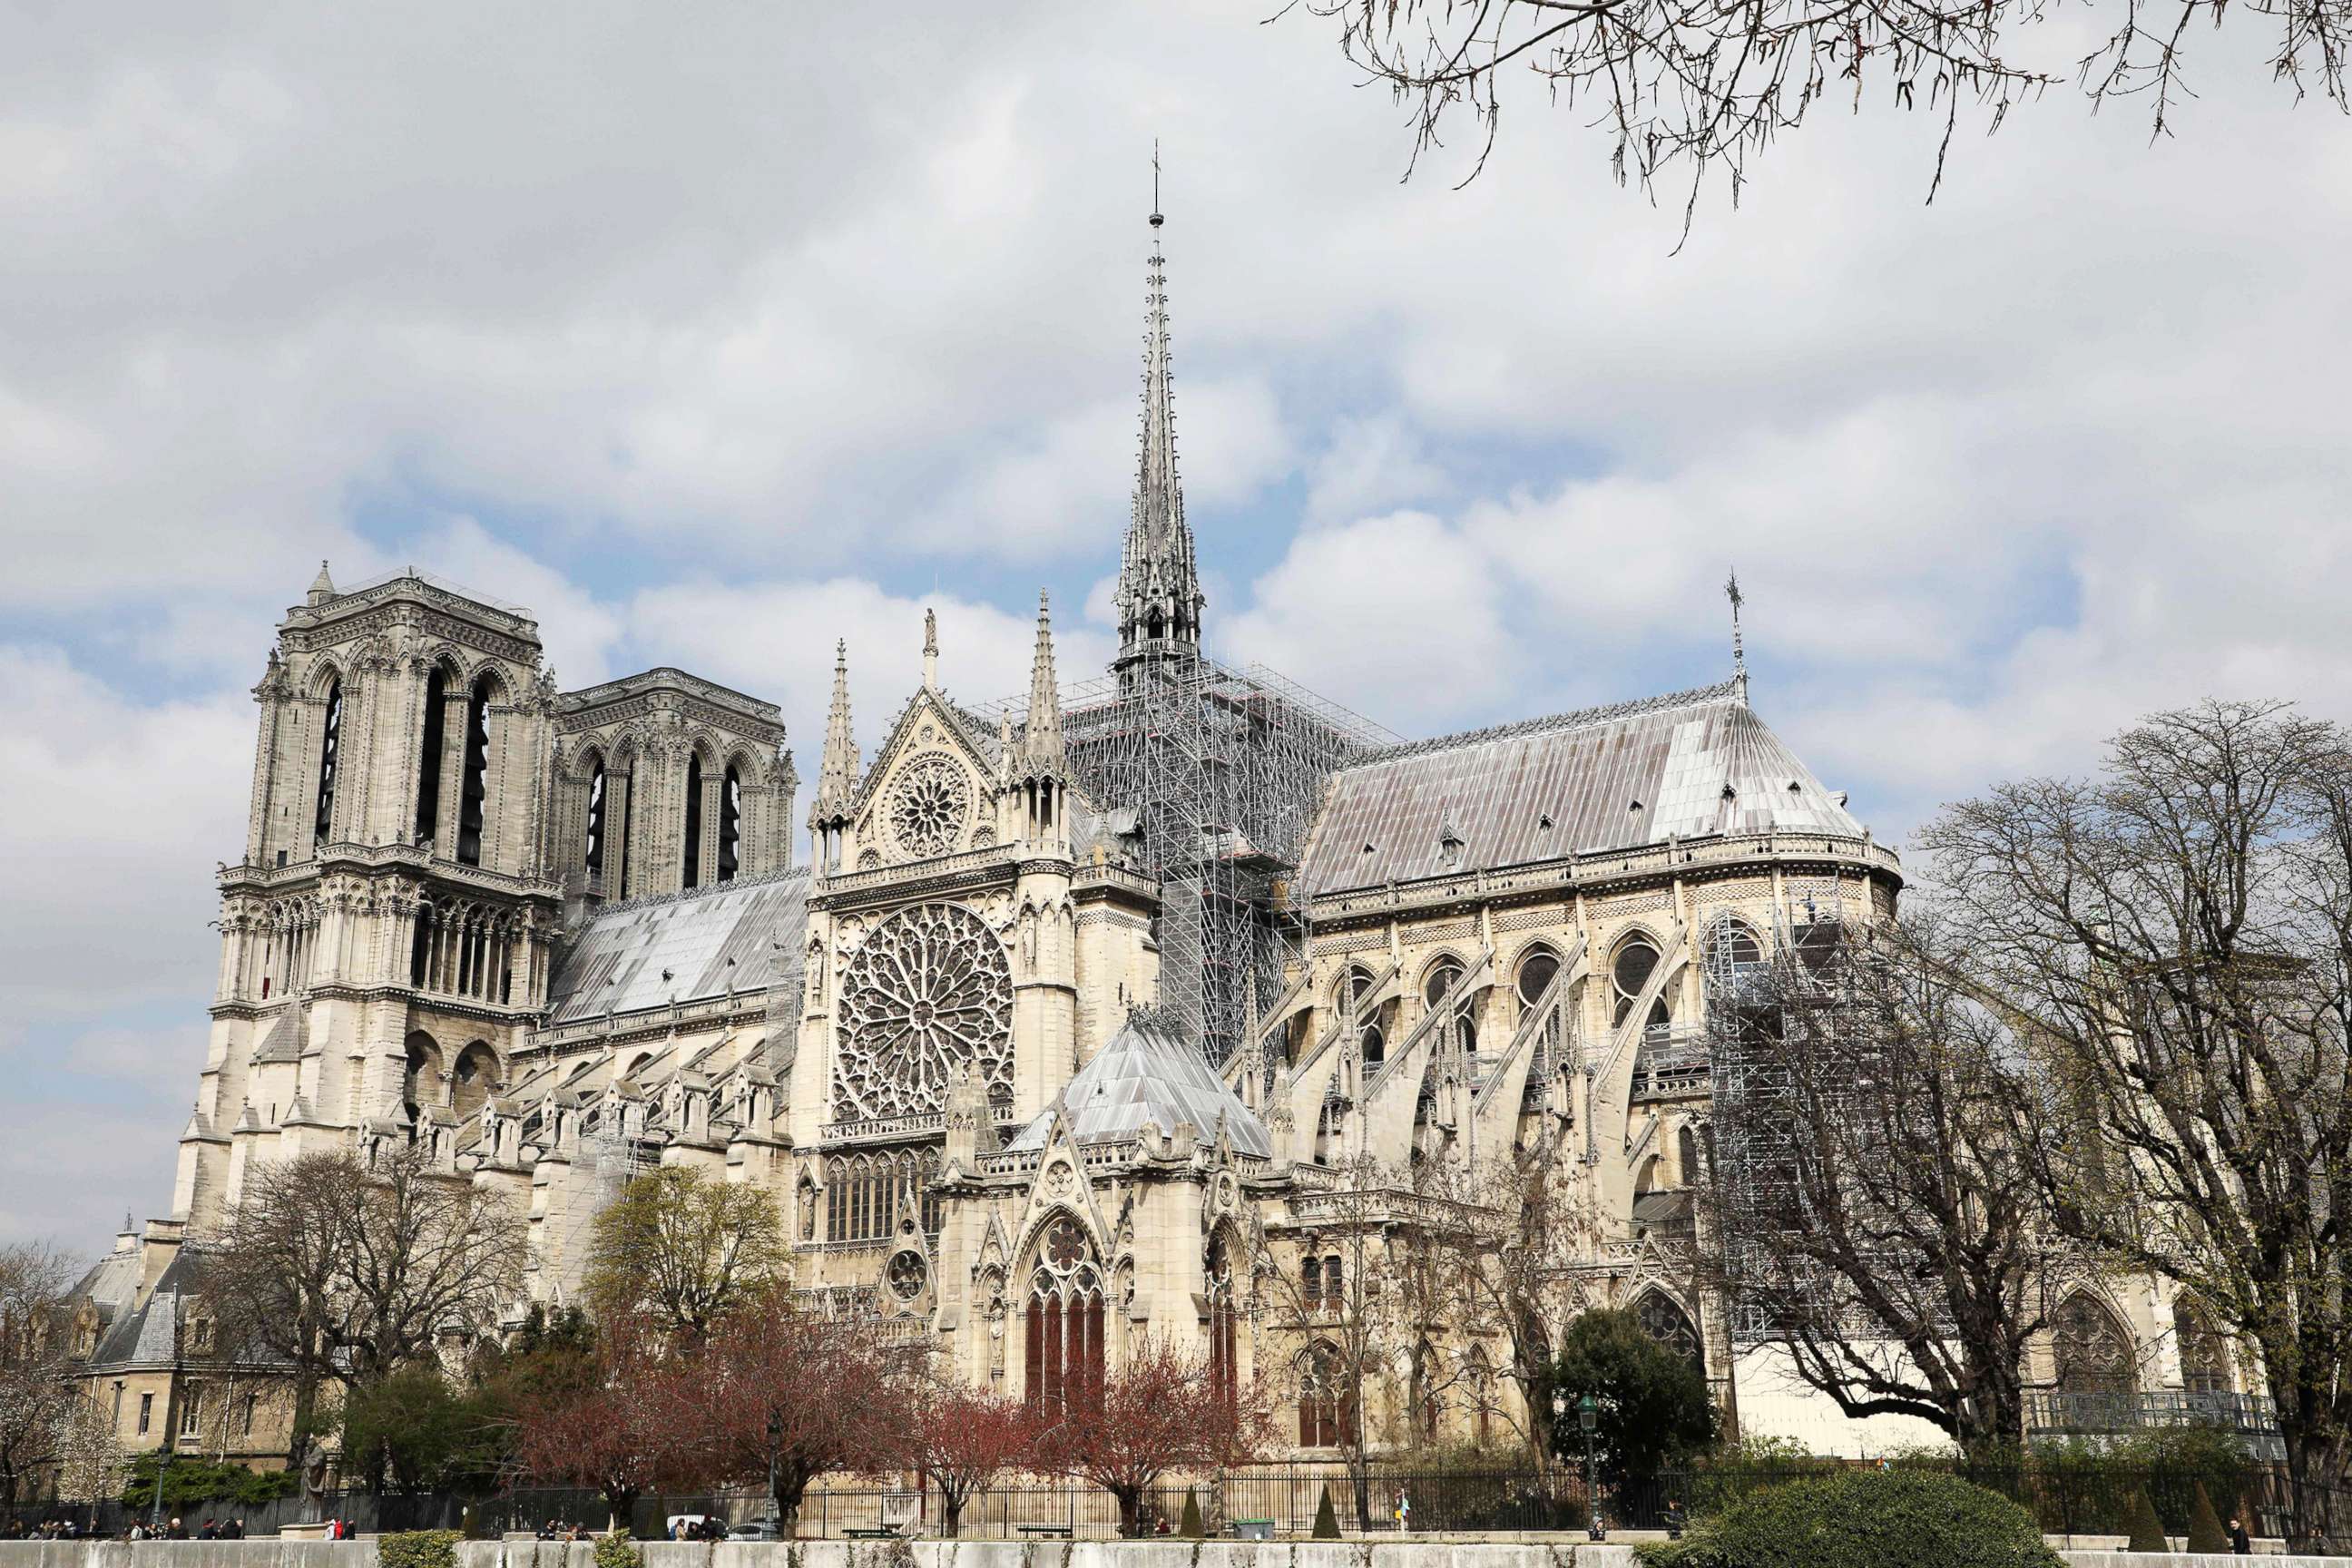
point(929, 995)
point(928, 803)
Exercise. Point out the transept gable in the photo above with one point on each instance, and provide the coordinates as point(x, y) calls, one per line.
point(931, 790)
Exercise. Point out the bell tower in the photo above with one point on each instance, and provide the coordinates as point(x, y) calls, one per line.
point(386, 934)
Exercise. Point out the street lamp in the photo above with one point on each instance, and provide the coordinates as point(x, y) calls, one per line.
point(1588, 1415)
point(775, 1441)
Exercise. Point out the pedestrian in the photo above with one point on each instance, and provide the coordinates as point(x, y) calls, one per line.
point(178, 1531)
point(1674, 1519)
point(234, 1530)
point(1403, 1511)
point(2239, 1543)
point(208, 1531)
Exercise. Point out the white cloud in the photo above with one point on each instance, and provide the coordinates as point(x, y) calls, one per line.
point(116, 815)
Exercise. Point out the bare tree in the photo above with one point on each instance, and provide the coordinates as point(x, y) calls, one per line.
point(1161, 1409)
point(33, 1396)
point(1889, 1229)
point(1511, 1266)
point(685, 1249)
point(336, 1270)
point(1694, 85)
point(2176, 935)
point(91, 1464)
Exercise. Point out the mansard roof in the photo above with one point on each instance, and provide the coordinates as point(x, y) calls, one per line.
point(616, 959)
point(1147, 1076)
point(1689, 764)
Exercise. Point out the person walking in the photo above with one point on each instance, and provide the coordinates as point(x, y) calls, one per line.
point(2239, 1543)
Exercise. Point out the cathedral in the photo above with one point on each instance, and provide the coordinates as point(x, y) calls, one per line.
point(1078, 1016)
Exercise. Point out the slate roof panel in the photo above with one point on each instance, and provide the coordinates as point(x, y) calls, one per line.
point(1149, 1075)
point(616, 956)
point(1688, 766)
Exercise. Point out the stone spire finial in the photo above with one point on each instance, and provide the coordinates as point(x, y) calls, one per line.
point(1159, 597)
point(323, 587)
point(836, 778)
point(1041, 732)
point(930, 649)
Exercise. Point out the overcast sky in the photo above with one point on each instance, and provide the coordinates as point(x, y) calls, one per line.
point(714, 334)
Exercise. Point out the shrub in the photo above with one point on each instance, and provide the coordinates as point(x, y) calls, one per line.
point(1327, 1521)
point(2205, 1532)
point(617, 1551)
point(2147, 1530)
point(1654, 1410)
point(1862, 1519)
point(418, 1548)
point(1191, 1529)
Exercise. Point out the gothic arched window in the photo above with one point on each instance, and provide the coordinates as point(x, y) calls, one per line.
point(474, 783)
point(1630, 972)
point(1687, 1155)
point(1425, 1407)
point(1664, 1320)
point(470, 1081)
point(429, 754)
point(693, 820)
point(1064, 1338)
point(420, 1076)
point(1370, 1039)
point(1327, 1404)
point(330, 737)
point(1224, 1358)
point(730, 823)
point(2204, 1354)
point(2093, 1352)
point(595, 846)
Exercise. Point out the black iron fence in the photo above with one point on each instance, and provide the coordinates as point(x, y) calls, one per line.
point(1284, 1499)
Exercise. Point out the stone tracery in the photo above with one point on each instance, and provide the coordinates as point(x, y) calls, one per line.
point(928, 994)
point(929, 801)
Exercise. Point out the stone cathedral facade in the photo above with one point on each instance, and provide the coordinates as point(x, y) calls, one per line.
point(556, 938)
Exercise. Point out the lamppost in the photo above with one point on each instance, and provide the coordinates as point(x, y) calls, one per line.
point(1588, 1415)
point(775, 1441)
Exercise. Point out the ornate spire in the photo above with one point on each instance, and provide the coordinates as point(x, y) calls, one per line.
point(836, 778)
point(1159, 596)
point(1041, 732)
point(1738, 653)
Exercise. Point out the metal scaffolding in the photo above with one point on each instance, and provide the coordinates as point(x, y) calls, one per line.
point(1750, 999)
point(1221, 770)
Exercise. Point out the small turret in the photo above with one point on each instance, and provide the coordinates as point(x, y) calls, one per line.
point(323, 587)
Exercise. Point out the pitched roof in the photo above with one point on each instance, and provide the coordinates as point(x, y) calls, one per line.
point(1149, 1075)
point(1688, 766)
point(617, 955)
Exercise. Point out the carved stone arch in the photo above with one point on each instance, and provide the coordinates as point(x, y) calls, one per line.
point(325, 675)
point(746, 763)
point(1731, 925)
point(1445, 953)
point(474, 1073)
point(503, 693)
point(1666, 1321)
point(586, 757)
point(2093, 1351)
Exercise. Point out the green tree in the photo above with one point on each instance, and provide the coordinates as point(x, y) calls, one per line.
point(2206, 1536)
point(1654, 1404)
point(415, 1432)
point(683, 1251)
point(2147, 1530)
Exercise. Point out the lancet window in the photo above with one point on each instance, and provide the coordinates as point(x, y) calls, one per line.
point(1063, 1350)
point(331, 739)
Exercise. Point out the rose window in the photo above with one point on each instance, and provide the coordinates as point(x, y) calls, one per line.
point(928, 802)
point(1065, 1245)
point(906, 1275)
point(929, 995)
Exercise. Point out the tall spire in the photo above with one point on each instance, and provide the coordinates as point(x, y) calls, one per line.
point(1739, 653)
point(1159, 596)
point(1041, 732)
point(836, 779)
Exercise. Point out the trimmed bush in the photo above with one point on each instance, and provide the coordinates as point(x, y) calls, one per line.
point(2147, 1530)
point(1191, 1529)
point(2205, 1532)
point(418, 1548)
point(617, 1551)
point(1327, 1521)
point(1862, 1518)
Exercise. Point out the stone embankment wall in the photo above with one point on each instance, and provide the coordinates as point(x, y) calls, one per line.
point(276, 1554)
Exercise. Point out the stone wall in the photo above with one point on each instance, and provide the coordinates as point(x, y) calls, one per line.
point(361, 1553)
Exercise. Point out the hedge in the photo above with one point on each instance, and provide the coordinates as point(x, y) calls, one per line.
point(1862, 1519)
